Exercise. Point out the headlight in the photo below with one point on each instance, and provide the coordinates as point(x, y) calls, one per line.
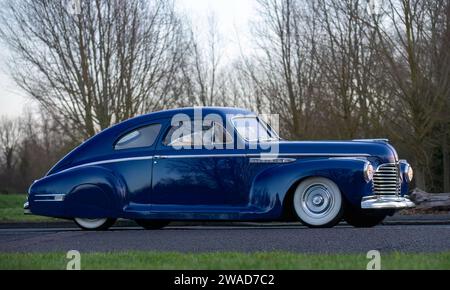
point(368, 172)
point(409, 173)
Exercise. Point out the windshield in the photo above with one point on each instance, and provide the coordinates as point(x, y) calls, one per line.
point(253, 129)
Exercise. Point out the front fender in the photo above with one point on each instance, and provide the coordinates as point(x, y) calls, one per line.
point(86, 192)
point(272, 186)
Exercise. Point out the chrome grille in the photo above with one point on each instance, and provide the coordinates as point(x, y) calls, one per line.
point(386, 180)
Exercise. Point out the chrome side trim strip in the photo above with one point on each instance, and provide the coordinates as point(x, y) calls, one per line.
point(380, 140)
point(263, 155)
point(349, 155)
point(56, 197)
point(361, 158)
point(115, 161)
point(107, 162)
point(201, 156)
point(276, 160)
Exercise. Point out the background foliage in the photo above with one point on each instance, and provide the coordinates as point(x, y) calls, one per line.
point(332, 69)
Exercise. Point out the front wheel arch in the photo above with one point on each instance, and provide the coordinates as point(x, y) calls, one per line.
point(288, 205)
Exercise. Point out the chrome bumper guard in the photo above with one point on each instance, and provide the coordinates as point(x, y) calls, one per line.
point(26, 208)
point(386, 202)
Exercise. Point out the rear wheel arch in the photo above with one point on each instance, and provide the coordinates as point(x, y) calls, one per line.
point(97, 193)
point(101, 182)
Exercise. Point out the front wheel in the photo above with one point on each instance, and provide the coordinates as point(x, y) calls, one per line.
point(94, 224)
point(318, 203)
point(152, 224)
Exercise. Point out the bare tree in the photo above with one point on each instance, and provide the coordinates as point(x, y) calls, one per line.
point(439, 26)
point(348, 63)
point(284, 67)
point(114, 60)
point(9, 142)
point(406, 45)
point(29, 146)
point(329, 68)
point(202, 76)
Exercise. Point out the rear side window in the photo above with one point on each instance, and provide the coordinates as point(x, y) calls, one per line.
point(139, 138)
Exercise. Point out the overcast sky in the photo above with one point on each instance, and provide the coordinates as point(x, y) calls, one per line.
point(232, 18)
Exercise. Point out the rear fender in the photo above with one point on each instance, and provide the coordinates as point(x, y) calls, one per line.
point(87, 192)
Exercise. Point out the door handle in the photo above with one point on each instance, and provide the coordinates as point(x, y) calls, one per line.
point(157, 157)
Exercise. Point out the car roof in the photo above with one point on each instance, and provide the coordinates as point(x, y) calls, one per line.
point(165, 114)
point(190, 110)
point(102, 142)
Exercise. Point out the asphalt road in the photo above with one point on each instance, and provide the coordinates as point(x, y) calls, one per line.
point(295, 238)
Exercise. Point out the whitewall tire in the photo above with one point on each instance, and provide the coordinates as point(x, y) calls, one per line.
point(94, 224)
point(318, 202)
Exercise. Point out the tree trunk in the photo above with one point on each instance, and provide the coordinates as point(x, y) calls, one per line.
point(446, 163)
point(420, 177)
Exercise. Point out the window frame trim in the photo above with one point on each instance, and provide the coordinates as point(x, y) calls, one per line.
point(136, 129)
point(171, 146)
point(261, 122)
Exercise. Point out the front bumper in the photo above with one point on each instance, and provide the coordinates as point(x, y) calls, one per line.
point(386, 202)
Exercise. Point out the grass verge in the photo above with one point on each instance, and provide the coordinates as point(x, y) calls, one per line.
point(223, 261)
point(11, 210)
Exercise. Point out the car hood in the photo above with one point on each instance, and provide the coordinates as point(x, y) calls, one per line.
point(361, 148)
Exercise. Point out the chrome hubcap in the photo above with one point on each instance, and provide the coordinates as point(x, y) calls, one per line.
point(317, 200)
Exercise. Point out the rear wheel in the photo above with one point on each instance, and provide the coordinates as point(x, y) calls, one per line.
point(152, 224)
point(94, 224)
point(318, 203)
point(360, 219)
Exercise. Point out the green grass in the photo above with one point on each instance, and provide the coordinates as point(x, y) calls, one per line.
point(223, 261)
point(11, 210)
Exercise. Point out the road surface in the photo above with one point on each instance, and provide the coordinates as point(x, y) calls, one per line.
point(244, 238)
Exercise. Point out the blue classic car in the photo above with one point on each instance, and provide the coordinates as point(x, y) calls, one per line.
point(220, 164)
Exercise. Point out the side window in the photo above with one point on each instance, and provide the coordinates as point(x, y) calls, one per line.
point(221, 136)
point(205, 135)
point(139, 138)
